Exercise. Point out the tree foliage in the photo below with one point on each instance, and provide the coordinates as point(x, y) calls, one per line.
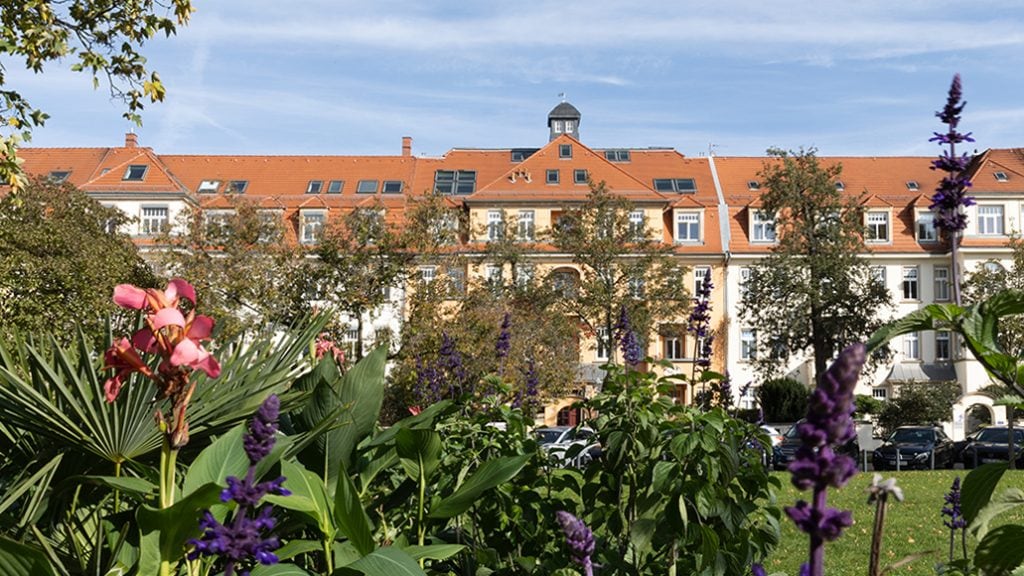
point(919, 403)
point(783, 400)
point(619, 267)
point(58, 262)
point(814, 293)
point(237, 259)
point(99, 37)
point(991, 278)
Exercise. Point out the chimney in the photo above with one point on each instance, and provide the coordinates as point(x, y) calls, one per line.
point(131, 140)
point(406, 146)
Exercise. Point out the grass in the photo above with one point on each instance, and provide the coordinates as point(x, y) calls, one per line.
point(912, 526)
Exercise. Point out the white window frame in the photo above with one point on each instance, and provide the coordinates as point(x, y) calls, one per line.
point(208, 187)
point(636, 287)
point(762, 228)
point(877, 224)
point(748, 344)
point(637, 225)
point(991, 219)
point(911, 283)
point(525, 273)
point(494, 275)
point(691, 222)
point(912, 346)
point(456, 280)
point(878, 274)
point(526, 230)
point(943, 346)
point(940, 275)
point(674, 348)
point(699, 273)
point(745, 273)
point(312, 222)
point(880, 394)
point(603, 346)
point(427, 274)
point(495, 225)
point(155, 222)
point(926, 230)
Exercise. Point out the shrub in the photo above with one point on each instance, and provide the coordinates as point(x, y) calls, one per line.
point(919, 403)
point(783, 400)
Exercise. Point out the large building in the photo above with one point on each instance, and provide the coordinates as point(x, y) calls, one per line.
point(706, 208)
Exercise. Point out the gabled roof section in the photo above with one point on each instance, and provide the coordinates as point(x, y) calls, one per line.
point(876, 201)
point(111, 174)
point(688, 202)
point(986, 168)
point(527, 180)
point(80, 163)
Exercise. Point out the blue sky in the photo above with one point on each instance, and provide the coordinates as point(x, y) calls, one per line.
point(849, 77)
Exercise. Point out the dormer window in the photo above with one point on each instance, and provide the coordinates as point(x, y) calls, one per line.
point(237, 186)
point(677, 185)
point(208, 187)
point(1001, 176)
point(913, 186)
point(59, 176)
point(753, 185)
point(135, 172)
point(315, 187)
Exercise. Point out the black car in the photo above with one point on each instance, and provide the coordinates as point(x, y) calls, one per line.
point(991, 444)
point(784, 452)
point(921, 447)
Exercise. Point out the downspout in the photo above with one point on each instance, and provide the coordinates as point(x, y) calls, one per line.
point(726, 237)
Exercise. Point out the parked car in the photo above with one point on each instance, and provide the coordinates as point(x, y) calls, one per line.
point(557, 442)
point(785, 450)
point(919, 447)
point(767, 452)
point(991, 444)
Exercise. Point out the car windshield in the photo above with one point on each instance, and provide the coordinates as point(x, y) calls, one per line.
point(793, 432)
point(911, 436)
point(1000, 436)
point(548, 436)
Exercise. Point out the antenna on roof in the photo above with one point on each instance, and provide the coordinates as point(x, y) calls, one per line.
point(711, 149)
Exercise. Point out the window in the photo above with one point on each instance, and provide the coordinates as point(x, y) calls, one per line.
point(617, 155)
point(911, 346)
point(456, 281)
point(637, 225)
point(926, 231)
point(762, 226)
point(990, 219)
point(579, 176)
point(878, 274)
point(748, 344)
point(603, 344)
point(427, 274)
point(450, 182)
point(913, 186)
point(315, 187)
point(494, 275)
point(208, 187)
point(942, 347)
point(59, 176)
point(910, 287)
point(673, 348)
point(753, 185)
point(1001, 176)
point(699, 274)
point(679, 185)
point(392, 187)
point(525, 229)
point(237, 186)
point(524, 274)
point(569, 126)
point(636, 287)
point(565, 150)
point(312, 226)
point(840, 185)
point(335, 186)
point(688, 227)
point(879, 393)
point(495, 225)
point(154, 220)
point(941, 274)
point(745, 274)
point(552, 177)
point(520, 154)
point(557, 126)
point(878, 227)
point(366, 187)
point(270, 226)
point(135, 172)
point(217, 222)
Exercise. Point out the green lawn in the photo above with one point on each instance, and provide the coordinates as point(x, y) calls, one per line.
point(912, 526)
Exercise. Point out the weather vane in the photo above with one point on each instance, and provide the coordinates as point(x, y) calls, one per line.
point(562, 96)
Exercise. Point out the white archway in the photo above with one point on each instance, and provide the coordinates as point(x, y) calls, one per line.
point(956, 429)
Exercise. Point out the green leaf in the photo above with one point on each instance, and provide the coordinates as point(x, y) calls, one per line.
point(278, 570)
point(350, 516)
point(1004, 501)
point(418, 449)
point(309, 494)
point(296, 546)
point(164, 531)
point(423, 420)
point(490, 474)
point(434, 551)
point(137, 486)
point(978, 487)
point(1001, 551)
point(225, 457)
point(40, 479)
point(17, 559)
point(641, 533)
point(383, 562)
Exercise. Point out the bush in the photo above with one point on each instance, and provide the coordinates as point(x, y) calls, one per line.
point(783, 400)
point(868, 405)
point(919, 403)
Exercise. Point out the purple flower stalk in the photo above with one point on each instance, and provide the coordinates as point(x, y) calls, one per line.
point(504, 343)
point(632, 353)
point(700, 324)
point(950, 196)
point(817, 466)
point(955, 519)
point(579, 539)
point(240, 542)
point(527, 396)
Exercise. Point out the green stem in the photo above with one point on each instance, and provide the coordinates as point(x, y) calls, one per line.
point(117, 493)
point(168, 462)
point(420, 530)
point(328, 554)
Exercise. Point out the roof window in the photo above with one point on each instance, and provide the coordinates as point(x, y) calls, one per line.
point(1001, 177)
point(448, 182)
point(237, 186)
point(314, 187)
point(912, 185)
point(366, 187)
point(335, 186)
point(840, 185)
point(208, 187)
point(678, 185)
point(753, 185)
point(520, 154)
point(135, 172)
point(59, 176)
point(617, 155)
point(392, 187)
